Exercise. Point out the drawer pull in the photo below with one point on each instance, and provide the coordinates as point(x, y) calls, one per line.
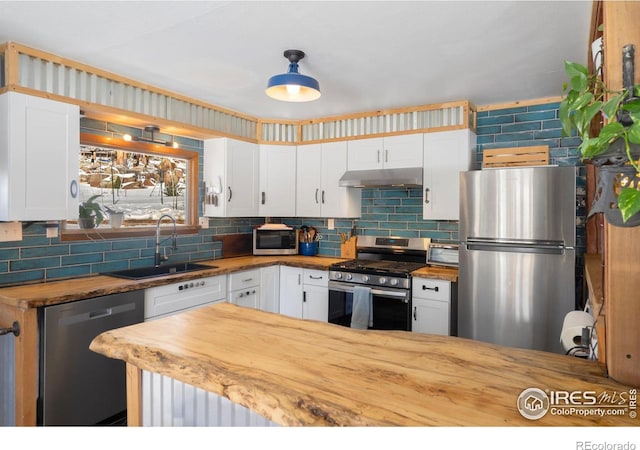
point(425, 288)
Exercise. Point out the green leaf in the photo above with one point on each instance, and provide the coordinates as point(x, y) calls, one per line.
point(634, 133)
point(592, 147)
point(629, 203)
point(611, 131)
point(575, 70)
point(610, 107)
point(633, 106)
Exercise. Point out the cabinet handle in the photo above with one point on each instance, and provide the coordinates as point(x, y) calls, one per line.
point(73, 189)
point(323, 197)
point(378, 156)
point(415, 313)
point(263, 196)
point(315, 278)
point(304, 296)
point(386, 155)
point(299, 278)
point(426, 288)
point(247, 280)
point(230, 193)
point(426, 196)
point(317, 195)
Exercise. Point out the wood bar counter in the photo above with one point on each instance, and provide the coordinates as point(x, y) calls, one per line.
point(301, 372)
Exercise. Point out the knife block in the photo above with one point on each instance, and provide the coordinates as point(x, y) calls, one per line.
point(348, 249)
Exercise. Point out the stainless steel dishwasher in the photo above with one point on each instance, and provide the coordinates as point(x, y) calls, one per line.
point(78, 386)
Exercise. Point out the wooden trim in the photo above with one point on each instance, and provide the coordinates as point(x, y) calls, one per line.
point(11, 65)
point(134, 396)
point(519, 103)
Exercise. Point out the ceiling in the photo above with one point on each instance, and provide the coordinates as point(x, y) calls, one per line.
point(367, 55)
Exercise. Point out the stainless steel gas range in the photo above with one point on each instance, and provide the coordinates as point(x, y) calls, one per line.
point(373, 291)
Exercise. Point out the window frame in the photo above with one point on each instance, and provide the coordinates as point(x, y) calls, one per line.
point(191, 225)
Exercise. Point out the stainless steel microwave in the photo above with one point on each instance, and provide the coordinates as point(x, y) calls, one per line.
point(275, 239)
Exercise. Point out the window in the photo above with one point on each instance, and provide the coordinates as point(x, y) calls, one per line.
point(137, 181)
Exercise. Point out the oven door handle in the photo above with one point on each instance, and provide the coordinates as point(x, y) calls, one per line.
point(381, 292)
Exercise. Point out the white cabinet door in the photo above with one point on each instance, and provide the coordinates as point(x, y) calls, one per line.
point(402, 151)
point(337, 201)
point(39, 152)
point(270, 289)
point(365, 154)
point(446, 154)
point(430, 316)
point(391, 152)
point(291, 291)
point(431, 303)
point(277, 180)
point(309, 180)
point(315, 303)
point(319, 194)
point(249, 297)
point(231, 173)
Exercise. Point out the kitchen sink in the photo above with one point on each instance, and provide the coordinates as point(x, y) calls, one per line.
point(153, 271)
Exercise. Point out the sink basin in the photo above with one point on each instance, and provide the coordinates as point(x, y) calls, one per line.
point(152, 271)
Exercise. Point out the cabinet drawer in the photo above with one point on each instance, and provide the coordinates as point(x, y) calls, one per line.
point(431, 289)
point(316, 277)
point(249, 297)
point(242, 280)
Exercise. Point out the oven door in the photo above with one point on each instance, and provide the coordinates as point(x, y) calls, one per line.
point(391, 308)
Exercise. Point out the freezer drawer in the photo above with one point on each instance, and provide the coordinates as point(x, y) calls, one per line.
point(515, 298)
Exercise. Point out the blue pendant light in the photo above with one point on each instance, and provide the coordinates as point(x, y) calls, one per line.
point(292, 86)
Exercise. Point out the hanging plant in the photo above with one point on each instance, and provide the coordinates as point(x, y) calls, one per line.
point(618, 142)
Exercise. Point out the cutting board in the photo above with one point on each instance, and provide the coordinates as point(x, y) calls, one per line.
point(348, 249)
point(240, 244)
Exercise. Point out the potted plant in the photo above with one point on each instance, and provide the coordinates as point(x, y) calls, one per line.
point(616, 147)
point(90, 213)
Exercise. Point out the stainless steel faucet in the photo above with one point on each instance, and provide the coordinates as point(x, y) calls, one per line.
point(157, 257)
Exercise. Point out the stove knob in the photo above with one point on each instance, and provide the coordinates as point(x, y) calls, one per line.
point(393, 282)
point(349, 276)
point(365, 278)
point(338, 275)
point(383, 280)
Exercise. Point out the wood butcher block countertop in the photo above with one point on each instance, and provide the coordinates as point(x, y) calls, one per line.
point(301, 372)
point(53, 292)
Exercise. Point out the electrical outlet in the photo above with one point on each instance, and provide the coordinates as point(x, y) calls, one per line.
point(331, 224)
point(10, 231)
point(52, 229)
point(204, 222)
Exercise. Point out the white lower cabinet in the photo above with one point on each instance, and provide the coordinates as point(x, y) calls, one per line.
point(244, 288)
point(162, 301)
point(270, 289)
point(304, 293)
point(431, 306)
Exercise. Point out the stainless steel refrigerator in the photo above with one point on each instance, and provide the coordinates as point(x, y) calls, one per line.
point(517, 256)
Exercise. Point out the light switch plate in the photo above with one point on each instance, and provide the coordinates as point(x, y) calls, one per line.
point(331, 224)
point(204, 222)
point(10, 231)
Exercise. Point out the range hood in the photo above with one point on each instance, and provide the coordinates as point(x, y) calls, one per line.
point(409, 177)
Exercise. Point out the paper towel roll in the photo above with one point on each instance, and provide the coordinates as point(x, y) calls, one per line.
point(574, 322)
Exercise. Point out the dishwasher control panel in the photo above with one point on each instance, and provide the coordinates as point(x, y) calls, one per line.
point(162, 301)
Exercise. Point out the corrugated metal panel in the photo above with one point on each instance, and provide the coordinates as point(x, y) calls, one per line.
point(7, 381)
point(170, 403)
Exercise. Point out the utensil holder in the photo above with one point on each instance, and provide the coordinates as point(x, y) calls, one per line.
point(308, 248)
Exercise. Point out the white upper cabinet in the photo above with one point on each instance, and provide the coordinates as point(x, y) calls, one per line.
point(446, 154)
point(277, 181)
point(39, 152)
point(391, 152)
point(318, 193)
point(231, 170)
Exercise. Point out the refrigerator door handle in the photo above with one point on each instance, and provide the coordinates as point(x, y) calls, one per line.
point(548, 249)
